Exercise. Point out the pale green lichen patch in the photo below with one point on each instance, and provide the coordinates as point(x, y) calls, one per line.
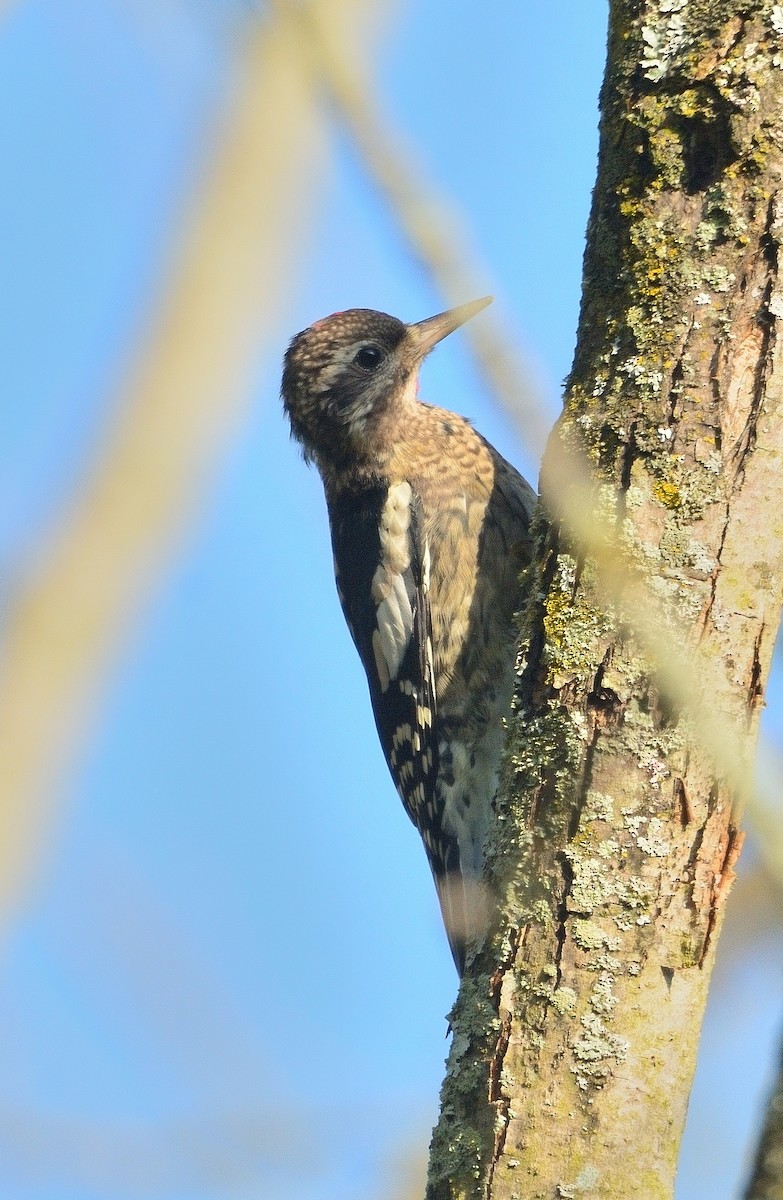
point(593, 882)
point(723, 219)
point(655, 841)
point(599, 806)
point(541, 913)
point(652, 745)
point(686, 555)
point(718, 278)
point(584, 1183)
point(596, 1051)
point(608, 848)
point(543, 750)
point(602, 998)
point(573, 629)
point(636, 894)
point(564, 1000)
point(590, 936)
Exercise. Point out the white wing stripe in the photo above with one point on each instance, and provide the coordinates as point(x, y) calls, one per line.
point(394, 615)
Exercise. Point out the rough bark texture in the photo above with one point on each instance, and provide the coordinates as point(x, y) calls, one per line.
point(575, 1032)
point(766, 1178)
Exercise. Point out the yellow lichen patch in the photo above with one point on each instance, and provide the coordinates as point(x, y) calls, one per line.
point(668, 494)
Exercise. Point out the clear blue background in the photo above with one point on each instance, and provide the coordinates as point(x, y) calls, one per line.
point(230, 978)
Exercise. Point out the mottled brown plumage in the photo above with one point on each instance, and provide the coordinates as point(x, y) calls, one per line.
point(430, 529)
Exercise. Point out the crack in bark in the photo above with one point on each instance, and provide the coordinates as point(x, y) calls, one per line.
point(721, 882)
point(755, 690)
point(765, 318)
point(706, 612)
point(562, 916)
point(745, 443)
point(674, 391)
point(606, 710)
point(682, 796)
point(717, 398)
point(585, 776)
point(691, 864)
point(530, 679)
point(498, 1098)
point(627, 458)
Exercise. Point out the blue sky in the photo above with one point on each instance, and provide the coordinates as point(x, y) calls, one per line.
point(232, 931)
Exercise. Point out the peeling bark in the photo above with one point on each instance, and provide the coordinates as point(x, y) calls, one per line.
point(576, 1028)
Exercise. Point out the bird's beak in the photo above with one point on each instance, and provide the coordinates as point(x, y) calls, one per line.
point(426, 334)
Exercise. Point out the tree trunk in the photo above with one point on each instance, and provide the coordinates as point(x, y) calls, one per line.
point(646, 643)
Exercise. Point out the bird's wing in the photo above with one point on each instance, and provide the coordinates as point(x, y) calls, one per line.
point(382, 573)
point(521, 500)
point(382, 570)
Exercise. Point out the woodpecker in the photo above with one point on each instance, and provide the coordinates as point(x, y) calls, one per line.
point(430, 529)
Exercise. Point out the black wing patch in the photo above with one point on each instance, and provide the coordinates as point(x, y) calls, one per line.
point(382, 570)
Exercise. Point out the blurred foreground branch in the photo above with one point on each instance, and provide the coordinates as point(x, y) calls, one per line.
point(683, 676)
point(428, 221)
point(184, 398)
point(438, 239)
point(765, 809)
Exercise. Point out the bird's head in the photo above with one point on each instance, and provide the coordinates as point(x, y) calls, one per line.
point(344, 374)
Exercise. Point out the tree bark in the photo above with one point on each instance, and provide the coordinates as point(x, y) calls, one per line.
point(647, 638)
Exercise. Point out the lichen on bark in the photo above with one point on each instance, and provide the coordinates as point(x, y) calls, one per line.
point(576, 1027)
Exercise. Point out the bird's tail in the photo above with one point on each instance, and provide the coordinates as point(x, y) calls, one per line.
point(465, 908)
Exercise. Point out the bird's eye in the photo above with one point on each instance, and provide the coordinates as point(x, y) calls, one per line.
point(369, 358)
